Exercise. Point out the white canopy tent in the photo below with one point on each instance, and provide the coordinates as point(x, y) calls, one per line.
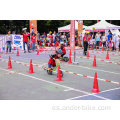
point(67, 27)
point(102, 26)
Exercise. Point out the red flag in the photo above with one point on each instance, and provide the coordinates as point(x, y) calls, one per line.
point(72, 35)
point(97, 21)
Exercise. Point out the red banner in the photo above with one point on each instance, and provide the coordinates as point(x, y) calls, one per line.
point(33, 27)
point(72, 35)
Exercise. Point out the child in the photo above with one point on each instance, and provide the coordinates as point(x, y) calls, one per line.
point(33, 40)
point(52, 60)
point(62, 48)
point(91, 43)
point(110, 44)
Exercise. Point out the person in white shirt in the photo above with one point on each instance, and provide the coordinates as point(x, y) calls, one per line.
point(104, 39)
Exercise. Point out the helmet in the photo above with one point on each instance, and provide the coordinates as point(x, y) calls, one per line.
point(62, 43)
point(59, 51)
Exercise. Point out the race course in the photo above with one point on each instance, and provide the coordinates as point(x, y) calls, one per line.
point(18, 84)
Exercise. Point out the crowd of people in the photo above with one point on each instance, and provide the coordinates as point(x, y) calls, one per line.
point(86, 40)
point(97, 41)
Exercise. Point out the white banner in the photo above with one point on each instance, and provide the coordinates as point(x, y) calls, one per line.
point(17, 41)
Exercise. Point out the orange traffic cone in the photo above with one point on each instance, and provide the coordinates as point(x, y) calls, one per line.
point(70, 61)
point(107, 56)
point(88, 54)
point(95, 85)
point(94, 61)
point(37, 51)
point(103, 48)
point(31, 67)
point(91, 47)
point(17, 52)
point(9, 63)
point(58, 74)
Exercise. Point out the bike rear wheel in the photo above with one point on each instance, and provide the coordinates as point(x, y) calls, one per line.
point(66, 59)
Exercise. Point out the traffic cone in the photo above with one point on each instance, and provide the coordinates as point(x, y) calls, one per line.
point(9, 63)
point(94, 61)
point(17, 52)
point(70, 61)
point(58, 74)
point(91, 47)
point(88, 54)
point(31, 67)
point(37, 51)
point(107, 56)
point(95, 85)
point(103, 48)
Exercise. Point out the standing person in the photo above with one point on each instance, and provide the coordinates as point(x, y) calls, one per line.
point(64, 37)
point(38, 38)
point(118, 42)
point(85, 43)
point(8, 42)
point(33, 40)
point(97, 39)
point(25, 39)
point(104, 39)
point(109, 35)
point(54, 38)
point(110, 43)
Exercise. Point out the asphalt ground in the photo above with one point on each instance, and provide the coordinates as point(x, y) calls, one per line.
point(18, 84)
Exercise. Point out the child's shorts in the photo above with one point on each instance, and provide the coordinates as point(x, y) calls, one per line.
point(49, 65)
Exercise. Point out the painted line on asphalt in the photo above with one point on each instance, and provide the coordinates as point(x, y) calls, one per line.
point(94, 69)
point(57, 84)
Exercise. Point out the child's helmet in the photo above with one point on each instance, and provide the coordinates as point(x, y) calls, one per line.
point(62, 43)
point(59, 51)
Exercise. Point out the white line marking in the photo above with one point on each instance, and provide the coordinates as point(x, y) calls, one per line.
point(68, 89)
point(94, 93)
point(94, 69)
point(55, 83)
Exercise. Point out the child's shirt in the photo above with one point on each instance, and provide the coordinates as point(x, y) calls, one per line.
point(51, 60)
point(33, 39)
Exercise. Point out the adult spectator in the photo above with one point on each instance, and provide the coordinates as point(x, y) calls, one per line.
point(50, 36)
point(85, 43)
point(54, 38)
point(109, 35)
point(25, 39)
point(97, 39)
point(64, 37)
point(38, 38)
point(8, 42)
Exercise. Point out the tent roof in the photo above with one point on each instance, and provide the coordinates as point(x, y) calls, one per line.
point(102, 25)
point(67, 27)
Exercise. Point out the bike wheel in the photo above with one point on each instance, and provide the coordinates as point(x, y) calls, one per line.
point(66, 59)
point(49, 72)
